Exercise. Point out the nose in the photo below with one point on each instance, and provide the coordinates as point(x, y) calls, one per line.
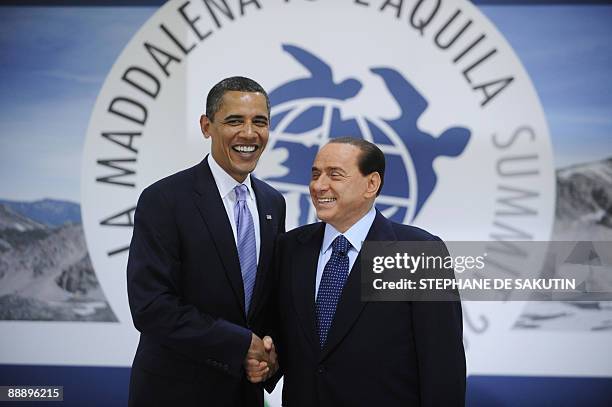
point(321, 184)
point(249, 130)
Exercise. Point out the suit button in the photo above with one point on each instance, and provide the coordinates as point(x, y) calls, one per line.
point(321, 369)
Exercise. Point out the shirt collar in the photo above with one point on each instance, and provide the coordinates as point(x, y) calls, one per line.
point(356, 234)
point(225, 183)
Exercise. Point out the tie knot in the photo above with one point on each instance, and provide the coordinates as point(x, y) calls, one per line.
point(241, 192)
point(340, 245)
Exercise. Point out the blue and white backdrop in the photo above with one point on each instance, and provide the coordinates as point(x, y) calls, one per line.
point(495, 121)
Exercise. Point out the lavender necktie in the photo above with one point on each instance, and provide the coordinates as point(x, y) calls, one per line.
point(245, 242)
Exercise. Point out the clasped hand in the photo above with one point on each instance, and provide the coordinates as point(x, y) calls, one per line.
point(260, 362)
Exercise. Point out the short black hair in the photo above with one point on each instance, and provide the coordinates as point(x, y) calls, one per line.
point(234, 83)
point(370, 160)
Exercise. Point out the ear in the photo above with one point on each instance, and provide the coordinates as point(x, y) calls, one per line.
point(204, 125)
point(373, 185)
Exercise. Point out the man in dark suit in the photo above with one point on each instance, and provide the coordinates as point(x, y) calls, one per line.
point(199, 260)
point(334, 349)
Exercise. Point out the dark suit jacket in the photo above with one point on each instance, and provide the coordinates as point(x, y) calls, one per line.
point(377, 353)
point(186, 293)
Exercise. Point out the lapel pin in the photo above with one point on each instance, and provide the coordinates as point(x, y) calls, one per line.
point(269, 217)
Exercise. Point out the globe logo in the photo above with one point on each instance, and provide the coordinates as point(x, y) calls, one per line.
point(309, 111)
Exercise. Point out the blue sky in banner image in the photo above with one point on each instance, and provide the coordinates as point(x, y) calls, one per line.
point(567, 50)
point(53, 63)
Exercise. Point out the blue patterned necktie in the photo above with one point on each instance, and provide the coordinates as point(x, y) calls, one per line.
point(245, 242)
point(332, 282)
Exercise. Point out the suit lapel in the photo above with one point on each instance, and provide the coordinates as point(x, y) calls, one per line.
point(211, 208)
point(350, 304)
point(304, 272)
point(264, 208)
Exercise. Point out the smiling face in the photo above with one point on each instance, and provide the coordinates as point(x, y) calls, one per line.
point(339, 192)
point(239, 132)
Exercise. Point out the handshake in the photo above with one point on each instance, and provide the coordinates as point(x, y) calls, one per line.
point(260, 362)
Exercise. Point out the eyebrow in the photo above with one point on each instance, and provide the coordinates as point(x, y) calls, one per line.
point(329, 169)
point(241, 117)
point(233, 117)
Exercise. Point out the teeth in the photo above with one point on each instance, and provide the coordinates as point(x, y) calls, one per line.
point(326, 200)
point(245, 149)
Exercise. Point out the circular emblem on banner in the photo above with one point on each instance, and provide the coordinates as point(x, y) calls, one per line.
point(433, 84)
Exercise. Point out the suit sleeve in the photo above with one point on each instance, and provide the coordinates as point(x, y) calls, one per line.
point(153, 281)
point(438, 331)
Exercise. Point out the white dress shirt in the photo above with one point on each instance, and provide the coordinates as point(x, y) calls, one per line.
point(225, 185)
point(355, 235)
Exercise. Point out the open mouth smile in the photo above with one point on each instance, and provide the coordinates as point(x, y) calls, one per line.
point(245, 149)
